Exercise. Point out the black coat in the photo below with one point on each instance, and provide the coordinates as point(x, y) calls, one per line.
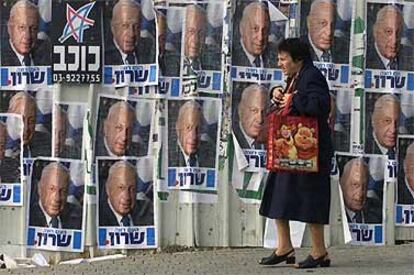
point(40, 55)
point(71, 216)
point(304, 197)
point(142, 214)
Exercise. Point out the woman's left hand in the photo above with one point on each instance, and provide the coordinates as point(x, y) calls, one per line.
point(285, 100)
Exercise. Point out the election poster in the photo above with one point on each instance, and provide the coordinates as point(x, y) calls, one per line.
point(56, 207)
point(126, 203)
point(190, 56)
point(362, 190)
point(326, 27)
point(129, 39)
point(25, 45)
point(340, 119)
point(193, 127)
point(76, 39)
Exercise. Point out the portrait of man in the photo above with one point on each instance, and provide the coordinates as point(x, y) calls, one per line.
point(23, 47)
point(406, 182)
point(120, 206)
point(320, 25)
point(252, 48)
point(194, 36)
point(190, 150)
point(386, 52)
point(117, 130)
point(353, 181)
point(249, 118)
point(124, 47)
point(35, 143)
point(52, 209)
point(384, 125)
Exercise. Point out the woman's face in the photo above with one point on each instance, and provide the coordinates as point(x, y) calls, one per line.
point(287, 65)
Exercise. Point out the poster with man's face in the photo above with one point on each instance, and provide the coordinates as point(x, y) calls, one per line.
point(130, 43)
point(10, 163)
point(390, 52)
point(56, 211)
point(193, 127)
point(126, 203)
point(35, 108)
point(361, 182)
point(382, 120)
point(25, 52)
point(250, 103)
point(123, 126)
point(405, 186)
point(68, 120)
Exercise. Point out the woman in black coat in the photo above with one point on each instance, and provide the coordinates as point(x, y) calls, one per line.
point(294, 196)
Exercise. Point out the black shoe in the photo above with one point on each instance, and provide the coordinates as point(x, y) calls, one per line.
point(310, 262)
point(276, 259)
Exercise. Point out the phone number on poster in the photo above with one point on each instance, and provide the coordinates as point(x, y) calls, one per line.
point(76, 78)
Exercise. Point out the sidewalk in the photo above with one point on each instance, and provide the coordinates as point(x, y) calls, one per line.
point(398, 259)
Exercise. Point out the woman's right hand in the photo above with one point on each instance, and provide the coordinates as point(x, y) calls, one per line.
point(277, 94)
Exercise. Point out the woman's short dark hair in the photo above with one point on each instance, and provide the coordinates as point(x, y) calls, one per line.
point(296, 48)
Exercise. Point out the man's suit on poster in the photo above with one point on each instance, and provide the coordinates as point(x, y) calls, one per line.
point(206, 156)
point(339, 50)
point(240, 58)
point(71, 152)
point(10, 170)
point(113, 55)
point(142, 214)
point(241, 139)
point(371, 213)
point(70, 218)
point(404, 195)
point(371, 147)
point(40, 54)
point(405, 59)
point(40, 145)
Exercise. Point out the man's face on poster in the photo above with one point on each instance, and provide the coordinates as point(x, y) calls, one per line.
point(53, 191)
point(125, 27)
point(354, 186)
point(254, 30)
point(252, 112)
point(27, 109)
point(23, 29)
point(409, 166)
point(195, 31)
point(188, 130)
point(118, 130)
point(387, 34)
point(385, 123)
point(121, 190)
point(3, 140)
point(321, 25)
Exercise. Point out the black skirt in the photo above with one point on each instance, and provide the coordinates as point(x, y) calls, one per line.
point(297, 197)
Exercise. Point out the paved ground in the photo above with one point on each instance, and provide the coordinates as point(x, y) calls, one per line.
point(397, 259)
